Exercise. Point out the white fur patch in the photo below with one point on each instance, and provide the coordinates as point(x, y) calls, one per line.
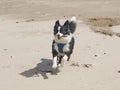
point(60, 34)
point(54, 62)
point(65, 58)
point(66, 48)
point(59, 28)
point(73, 19)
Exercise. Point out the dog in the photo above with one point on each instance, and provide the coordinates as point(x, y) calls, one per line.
point(63, 43)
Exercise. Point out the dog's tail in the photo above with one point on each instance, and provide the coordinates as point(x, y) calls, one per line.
point(72, 24)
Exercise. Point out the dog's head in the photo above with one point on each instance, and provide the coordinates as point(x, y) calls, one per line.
point(68, 28)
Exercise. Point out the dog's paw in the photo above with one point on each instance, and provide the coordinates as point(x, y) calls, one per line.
point(54, 66)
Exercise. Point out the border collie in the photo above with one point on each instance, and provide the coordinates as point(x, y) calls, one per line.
point(63, 43)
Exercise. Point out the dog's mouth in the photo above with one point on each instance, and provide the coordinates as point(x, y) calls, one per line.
point(64, 36)
point(59, 37)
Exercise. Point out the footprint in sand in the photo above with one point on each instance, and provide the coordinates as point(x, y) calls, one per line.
point(87, 65)
point(83, 65)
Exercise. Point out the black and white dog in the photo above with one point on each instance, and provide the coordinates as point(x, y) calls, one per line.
point(63, 43)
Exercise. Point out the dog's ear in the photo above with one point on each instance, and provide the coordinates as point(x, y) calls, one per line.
point(66, 24)
point(57, 23)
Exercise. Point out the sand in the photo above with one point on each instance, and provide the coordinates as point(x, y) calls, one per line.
point(26, 34)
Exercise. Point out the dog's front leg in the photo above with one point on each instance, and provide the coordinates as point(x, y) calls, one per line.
point(54, 62)
point(64, 59)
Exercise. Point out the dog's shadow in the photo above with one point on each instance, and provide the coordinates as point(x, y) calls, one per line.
point(41, 68)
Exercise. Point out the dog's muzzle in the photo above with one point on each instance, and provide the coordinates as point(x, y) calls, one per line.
point(58, 36)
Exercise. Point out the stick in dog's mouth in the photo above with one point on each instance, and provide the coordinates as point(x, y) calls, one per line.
point(62, 37)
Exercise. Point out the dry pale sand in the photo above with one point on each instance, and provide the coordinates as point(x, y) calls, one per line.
point(26, 34)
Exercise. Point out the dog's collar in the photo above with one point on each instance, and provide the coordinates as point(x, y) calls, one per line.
point(60, 47)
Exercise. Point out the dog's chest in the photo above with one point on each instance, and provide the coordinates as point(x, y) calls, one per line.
point(61, 48)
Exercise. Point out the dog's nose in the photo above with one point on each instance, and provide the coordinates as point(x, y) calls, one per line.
point(58, 36)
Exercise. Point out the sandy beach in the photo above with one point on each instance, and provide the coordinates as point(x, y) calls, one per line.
point(26, 34)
